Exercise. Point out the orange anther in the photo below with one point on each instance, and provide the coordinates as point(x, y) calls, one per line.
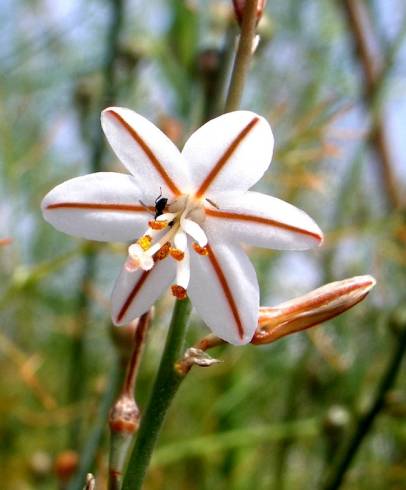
point(157, 225)
point(179, 292)
point(163, 252)
point(176, 253)
point(200, 250)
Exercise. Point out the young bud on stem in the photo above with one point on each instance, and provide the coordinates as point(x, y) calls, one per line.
point(311, 309)
point(239, 6)
point(124, 418)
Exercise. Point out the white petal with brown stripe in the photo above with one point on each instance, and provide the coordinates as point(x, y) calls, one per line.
point(185, 214)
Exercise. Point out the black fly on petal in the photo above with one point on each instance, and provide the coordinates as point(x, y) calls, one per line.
point(160, 205)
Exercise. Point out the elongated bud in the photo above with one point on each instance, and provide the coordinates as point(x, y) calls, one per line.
point(239, 6)
point(311, 309)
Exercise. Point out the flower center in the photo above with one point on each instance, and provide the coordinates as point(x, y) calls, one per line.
point(168, 235)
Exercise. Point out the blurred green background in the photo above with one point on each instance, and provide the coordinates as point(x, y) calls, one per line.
point(269, 417)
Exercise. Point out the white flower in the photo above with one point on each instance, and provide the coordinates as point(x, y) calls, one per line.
point(185, 214)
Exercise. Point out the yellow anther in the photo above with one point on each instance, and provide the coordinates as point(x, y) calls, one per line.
point(157, 225)
point(163, 252)
point(200, 250)
point(179, 292)
point(144, 242)
point(176, 253)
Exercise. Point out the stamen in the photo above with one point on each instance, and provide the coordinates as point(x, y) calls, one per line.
point(163, 252)
point(145, 242)
point(200, 250)
point(157, 225)
point(179, 292)
point(176, 253)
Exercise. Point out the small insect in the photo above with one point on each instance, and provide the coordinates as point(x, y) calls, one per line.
point(160, 205)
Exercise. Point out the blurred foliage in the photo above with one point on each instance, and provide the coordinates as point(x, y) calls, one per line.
point(264, 418)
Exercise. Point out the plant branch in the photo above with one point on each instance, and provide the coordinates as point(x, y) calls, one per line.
point(165, 387)
point(358, 22)
point(243, 56)
point(337, 474)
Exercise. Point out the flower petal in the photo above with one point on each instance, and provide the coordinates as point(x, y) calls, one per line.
point(229, 152)
point(264, 221)
point(103, 206)
point(145, 150)
point(135, 292)
point(224, 290)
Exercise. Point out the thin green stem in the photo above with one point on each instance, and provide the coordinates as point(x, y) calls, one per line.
point(243, 56)
point(165, 387)
point(337, 474)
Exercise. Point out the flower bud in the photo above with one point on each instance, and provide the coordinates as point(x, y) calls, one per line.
point(311, 309)
point(125, 415)
point(239, 6)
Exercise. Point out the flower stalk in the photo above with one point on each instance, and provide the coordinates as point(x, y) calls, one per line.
point(335, 476)
point(124, 418)
point(165, 387)
point(243, 56)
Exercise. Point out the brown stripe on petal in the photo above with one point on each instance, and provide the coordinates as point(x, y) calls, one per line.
point(262, 221)
point(148, 152)
point(226, 289)
point(225, 157)
point(130, 298)
point(99, 206)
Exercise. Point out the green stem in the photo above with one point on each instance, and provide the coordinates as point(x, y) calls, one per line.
point(165, 387)
point(336, 475)
point(243, 56)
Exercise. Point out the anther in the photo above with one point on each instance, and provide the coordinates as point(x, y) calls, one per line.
point(145, 242)
point(176, 253)
point(200, 250)
point(157, 225)
point(179, 292)
point(163, 252)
